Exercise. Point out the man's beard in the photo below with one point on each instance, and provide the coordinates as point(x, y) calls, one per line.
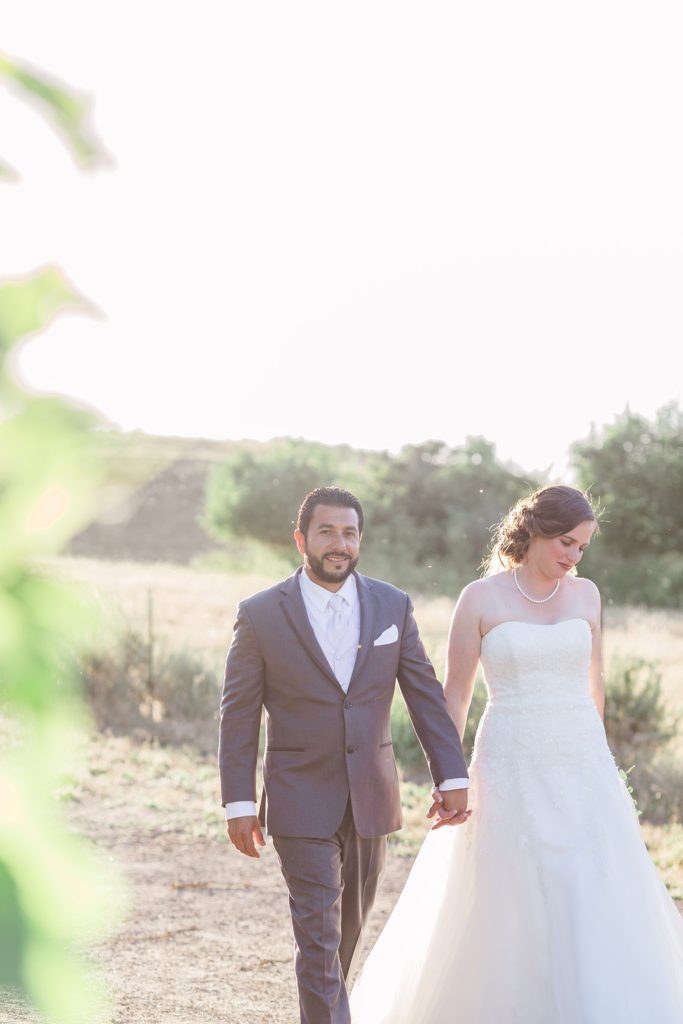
point(317, 567)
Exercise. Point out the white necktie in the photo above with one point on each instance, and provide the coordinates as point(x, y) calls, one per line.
point(336, 623)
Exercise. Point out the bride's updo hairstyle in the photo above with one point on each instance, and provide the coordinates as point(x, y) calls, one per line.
point(550, 512)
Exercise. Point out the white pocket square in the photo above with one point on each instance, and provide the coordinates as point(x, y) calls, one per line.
point(389, 636)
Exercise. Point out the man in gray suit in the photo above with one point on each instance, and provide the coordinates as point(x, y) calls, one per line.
point(322, 652)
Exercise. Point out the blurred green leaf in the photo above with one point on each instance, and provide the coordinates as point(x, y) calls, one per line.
point(63, 108)
point(40, 510)
point(51, 895)
point(55, 895)
point(28, 304)
point(7, 173)
point(36, 666)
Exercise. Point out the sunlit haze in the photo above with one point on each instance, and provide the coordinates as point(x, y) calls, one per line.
point(371, 223)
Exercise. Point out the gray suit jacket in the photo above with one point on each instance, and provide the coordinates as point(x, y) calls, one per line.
point(323, 745)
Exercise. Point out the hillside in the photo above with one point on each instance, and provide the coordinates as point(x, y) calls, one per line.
point(150, 505)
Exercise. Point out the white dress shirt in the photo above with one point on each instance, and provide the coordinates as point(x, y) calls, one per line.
point(316, 600)
point(341, 659)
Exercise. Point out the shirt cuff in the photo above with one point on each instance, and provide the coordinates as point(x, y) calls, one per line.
point(240, 809)
point(454, 784)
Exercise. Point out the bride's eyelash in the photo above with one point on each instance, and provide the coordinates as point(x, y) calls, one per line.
point(568, 544)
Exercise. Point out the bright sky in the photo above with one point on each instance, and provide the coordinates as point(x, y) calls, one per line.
point(373, 223)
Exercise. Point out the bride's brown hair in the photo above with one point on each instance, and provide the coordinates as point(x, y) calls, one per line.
point(549, 512)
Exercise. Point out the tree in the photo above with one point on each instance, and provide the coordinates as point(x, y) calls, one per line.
point(433, 510)
point(634, 467)
point(428, 510)
point(258, 495)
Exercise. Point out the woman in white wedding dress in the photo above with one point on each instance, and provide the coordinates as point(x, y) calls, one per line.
point(544, 906)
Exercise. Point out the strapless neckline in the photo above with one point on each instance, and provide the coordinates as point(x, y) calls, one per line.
point(544, 625)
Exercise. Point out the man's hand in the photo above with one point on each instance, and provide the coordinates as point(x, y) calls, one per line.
point(451, 807)
point(244, 833)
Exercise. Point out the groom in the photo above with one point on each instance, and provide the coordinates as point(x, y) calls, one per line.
point(322, 652)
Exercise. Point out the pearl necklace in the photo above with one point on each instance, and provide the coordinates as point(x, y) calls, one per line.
point(535, 600)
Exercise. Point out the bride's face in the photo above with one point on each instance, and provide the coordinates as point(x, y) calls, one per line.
point(556, 556)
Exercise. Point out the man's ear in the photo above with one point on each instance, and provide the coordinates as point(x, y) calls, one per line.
point(300, 541)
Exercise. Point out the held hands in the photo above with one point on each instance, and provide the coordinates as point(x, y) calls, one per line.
point(244, 833)
point(450, 807)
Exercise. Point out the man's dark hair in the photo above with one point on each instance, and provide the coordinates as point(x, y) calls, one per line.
point(327, 496)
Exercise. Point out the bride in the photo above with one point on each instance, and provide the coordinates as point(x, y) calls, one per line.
point(544, 906)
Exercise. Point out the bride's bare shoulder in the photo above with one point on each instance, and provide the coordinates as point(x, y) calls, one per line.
point(477, 595)
point(584, 585)
point(588, 595)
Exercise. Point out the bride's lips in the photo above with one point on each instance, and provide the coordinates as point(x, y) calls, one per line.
point(565, 567)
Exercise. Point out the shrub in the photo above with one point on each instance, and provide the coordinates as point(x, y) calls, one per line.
point(640, 727)
point(169, 694)
point(407, 749)
point(637, 719)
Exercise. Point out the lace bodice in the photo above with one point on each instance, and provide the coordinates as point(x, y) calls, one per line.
point(528, 662)
point(540, 713)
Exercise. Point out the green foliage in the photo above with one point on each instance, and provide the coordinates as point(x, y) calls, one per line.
point(652, 580)
point(7, 172)
point(428, 510)
point(637, 718)
point(51, 887)
point(639, 725)
point(67, 112)
point(633, 466)
point(258, 495)
point(50, 884)
point(28, 304)
point(431, 510)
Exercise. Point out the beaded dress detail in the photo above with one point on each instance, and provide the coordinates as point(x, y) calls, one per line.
point(544, 908)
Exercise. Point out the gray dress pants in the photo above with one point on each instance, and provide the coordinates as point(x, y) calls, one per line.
point(332, 885)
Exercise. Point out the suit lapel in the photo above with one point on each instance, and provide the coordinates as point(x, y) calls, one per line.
point(368, 606)
point(295, 612)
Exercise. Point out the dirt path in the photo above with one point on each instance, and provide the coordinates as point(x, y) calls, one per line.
point(206, 937)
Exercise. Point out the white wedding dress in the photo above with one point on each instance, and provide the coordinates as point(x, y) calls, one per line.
point(544, 908)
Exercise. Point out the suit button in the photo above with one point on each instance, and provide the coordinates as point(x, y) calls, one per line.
point(350, 749)
point(347, 705)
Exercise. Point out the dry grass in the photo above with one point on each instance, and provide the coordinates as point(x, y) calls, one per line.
point(195, 609)
point(189, 608)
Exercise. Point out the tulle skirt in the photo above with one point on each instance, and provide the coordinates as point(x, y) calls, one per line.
point(545, 908)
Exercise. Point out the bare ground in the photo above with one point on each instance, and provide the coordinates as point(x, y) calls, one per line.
point(206, 935)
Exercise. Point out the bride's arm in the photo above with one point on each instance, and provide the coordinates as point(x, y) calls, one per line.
point(462, 656)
